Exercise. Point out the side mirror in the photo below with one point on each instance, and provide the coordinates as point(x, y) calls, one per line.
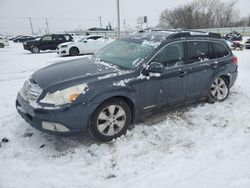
point(85, 41)
point(156, 67)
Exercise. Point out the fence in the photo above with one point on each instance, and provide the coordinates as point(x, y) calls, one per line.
point(222, 31)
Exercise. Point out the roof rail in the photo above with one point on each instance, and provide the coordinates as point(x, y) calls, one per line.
point(185, 34)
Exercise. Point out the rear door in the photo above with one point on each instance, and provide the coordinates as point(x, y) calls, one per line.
point(202, 65)
point(57, 39)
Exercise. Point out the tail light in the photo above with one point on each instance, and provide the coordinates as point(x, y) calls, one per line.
point(235, 60)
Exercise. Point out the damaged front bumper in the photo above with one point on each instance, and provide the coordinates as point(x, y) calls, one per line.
point(67, 120)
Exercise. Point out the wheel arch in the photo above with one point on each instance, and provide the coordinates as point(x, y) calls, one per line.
point(126, 99)
point(222, 72)
point(226, 78)
point(74, 47)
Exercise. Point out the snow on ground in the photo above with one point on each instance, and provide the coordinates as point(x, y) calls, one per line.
point(198, 146)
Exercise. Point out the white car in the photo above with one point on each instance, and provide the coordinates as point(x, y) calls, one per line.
point(3, 42)
point(87, 45)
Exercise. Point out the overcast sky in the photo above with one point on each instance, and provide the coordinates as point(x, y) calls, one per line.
point(72, 14)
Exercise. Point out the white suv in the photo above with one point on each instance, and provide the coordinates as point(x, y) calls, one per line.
point(3, 42)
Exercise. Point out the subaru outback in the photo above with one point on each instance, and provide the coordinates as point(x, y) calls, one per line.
point(127, 79)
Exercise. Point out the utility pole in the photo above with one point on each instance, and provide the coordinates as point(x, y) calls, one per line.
point(124, 24)
point(47, 24)
point(100, 19)
point(31, 26)
point(118, 19)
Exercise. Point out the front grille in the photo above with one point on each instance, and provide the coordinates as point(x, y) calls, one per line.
point(30, 91)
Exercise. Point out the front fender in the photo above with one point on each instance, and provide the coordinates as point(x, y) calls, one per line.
point(126, 93)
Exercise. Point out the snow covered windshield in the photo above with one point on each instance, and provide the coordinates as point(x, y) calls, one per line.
point(125, 54)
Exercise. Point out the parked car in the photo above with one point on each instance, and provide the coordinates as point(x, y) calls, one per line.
point(3, 42)
point(237, 45)
point(247, 44)
point(23, 39)
point(87, 45)
point(126, 80)
point(234, 36)
point(47, 42)
point(14, 37)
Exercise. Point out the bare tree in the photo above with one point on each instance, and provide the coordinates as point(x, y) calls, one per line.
point(201, 14)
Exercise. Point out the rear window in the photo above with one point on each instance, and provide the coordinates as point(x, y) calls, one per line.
point(67, 37)
point(220, 50)
point(199, 51)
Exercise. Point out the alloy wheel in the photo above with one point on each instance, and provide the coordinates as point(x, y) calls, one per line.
point(111, 120)
point(219, 89)
point(35, 50)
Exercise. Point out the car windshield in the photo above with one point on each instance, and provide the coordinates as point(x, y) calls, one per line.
point(125, 54)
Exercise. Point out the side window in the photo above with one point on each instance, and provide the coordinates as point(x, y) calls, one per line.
point(59, 38)
point(199, 51)
point(47, 38)
point(171, 56)
point(220, 50)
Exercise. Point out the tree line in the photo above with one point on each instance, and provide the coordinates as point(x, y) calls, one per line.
point(204, 14)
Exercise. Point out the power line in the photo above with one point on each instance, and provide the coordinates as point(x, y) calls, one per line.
point(118, 19)
point(124, 24)
point(47, 25)
point(100, 18)
point(31, 26)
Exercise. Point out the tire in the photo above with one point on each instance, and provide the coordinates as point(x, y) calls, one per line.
point(219, 90)
point(110, 120)
point(35, 50)
point(1, 45)
point(74, 51)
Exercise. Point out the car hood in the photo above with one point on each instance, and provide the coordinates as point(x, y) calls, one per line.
point(72, 72)
point(66, 43)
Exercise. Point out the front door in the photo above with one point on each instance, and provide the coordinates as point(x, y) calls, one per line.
point(173, 80)
point(46, 42)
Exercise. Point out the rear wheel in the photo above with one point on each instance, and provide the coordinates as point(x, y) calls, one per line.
point(35, 50)
point(73, 51)
point(1, 45)
point(219, 90)
point(110, 120)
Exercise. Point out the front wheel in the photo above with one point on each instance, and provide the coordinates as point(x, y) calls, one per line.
point(110, 120)
point(35, 50)
point(73, 51)
point(1, 45)
point(219, 90)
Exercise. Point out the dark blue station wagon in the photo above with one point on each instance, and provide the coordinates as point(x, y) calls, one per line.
point(127, 79)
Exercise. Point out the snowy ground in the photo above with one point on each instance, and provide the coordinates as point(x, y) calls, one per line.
point(199, 146)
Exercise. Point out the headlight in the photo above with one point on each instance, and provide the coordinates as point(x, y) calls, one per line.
point(65, 96)
point(64, 46)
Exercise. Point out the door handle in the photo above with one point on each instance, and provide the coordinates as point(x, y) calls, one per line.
point(213, 65)
point(182, 73)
